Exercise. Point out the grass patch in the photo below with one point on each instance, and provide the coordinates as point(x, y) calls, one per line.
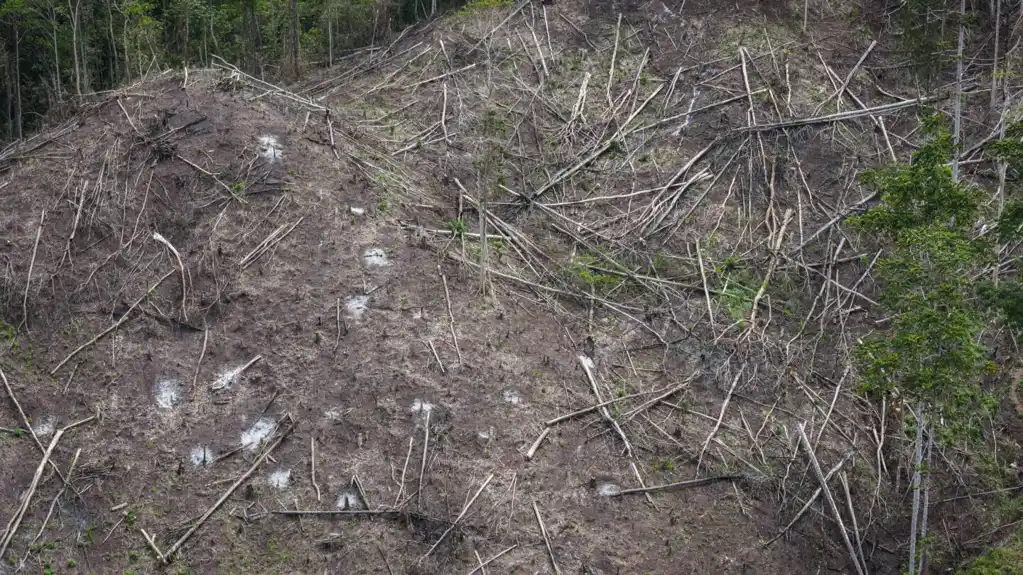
point(1006, 559)
point(458, 227)
point(582, 274)
point(753, 38)
point(477, 6)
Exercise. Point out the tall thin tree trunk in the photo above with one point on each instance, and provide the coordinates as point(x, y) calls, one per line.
point(113, 44)
point(330, 40)
point(294, 38)
point(74, 46)
point(82, 43)
point(124, 44)
point(926, 502)
point(184, 49)
point(376, 17)
point(17, 83)
point(56, 56)
point(957, 135)
point(213, 33)
point(9, 108)
point(917, 465)
point(994, 68)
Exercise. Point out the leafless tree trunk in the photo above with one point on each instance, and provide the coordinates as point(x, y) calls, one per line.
point(213, 33)
point(330, 40)
point(184, 49)
point(113, 43)
point(74, 44)
point(994, 69)
point(957, 134)
point(926, 501)
point(124, 38)
point(917, 466)
point(294, 38)
point(52, 15)
point(17, 82)
point(8, 109)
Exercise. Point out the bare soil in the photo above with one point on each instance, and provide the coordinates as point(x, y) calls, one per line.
point(396, 377)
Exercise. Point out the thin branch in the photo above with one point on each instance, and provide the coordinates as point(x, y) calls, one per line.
point(169, 554)
point(110, 329)
point(31, 266)
point(460, 516)
point(669, 486)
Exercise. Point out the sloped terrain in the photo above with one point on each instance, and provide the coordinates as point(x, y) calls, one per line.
point(299, 357)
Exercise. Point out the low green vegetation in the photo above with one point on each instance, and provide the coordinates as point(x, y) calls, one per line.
point(476, 6)
point(1005, 559)
point(944, 303)
point(458, 227)
point(585, 272)
point(933, 354)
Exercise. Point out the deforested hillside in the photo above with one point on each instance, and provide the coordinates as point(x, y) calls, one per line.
point(582, 287)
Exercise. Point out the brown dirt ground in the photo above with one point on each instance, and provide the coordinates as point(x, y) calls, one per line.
point(359, 391)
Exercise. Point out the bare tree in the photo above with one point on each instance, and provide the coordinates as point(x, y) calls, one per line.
point(17, 81)
point(73, 10)
point(294, 37)
point(994, 68)
point(958, 126)
point(113, 42)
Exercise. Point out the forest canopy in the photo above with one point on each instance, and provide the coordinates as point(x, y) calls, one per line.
point(55, 49)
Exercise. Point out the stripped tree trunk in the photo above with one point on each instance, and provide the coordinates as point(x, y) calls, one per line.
point(17, 83)
point(294, 38)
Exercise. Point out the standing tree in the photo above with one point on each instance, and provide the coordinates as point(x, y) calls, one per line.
point(295, 31)
point(933, 355)
point(12, 14)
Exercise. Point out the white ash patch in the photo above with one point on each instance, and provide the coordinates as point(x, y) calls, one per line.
point(357, 306)
point(608, 489)
point(350, 500)
point(357, 211)
point(201, 456)
point(587, 361)
point(486, 434)
point(421, 407)
point(336, 413)
point(279, 479)
point(376, 257)
point(46, 426)
point(260, 431)
point(511, 396)
point(227, 378)
point(167, 393)
point(270, 148)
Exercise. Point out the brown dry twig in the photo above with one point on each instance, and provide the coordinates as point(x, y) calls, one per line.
point(31, 266)
point(815, 465)
point(717, 425)
point(492, 559)
point(202, 354)
point(669, 486)
point(15, 522)
point(169, 554)
point(181, 266)
point(460, 516)
point(269, 243)
point(451, 316)
point(110, 329)
point(312, 465)
point(546, 538)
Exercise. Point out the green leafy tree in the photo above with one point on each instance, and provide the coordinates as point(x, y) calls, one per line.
point(932, 354)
